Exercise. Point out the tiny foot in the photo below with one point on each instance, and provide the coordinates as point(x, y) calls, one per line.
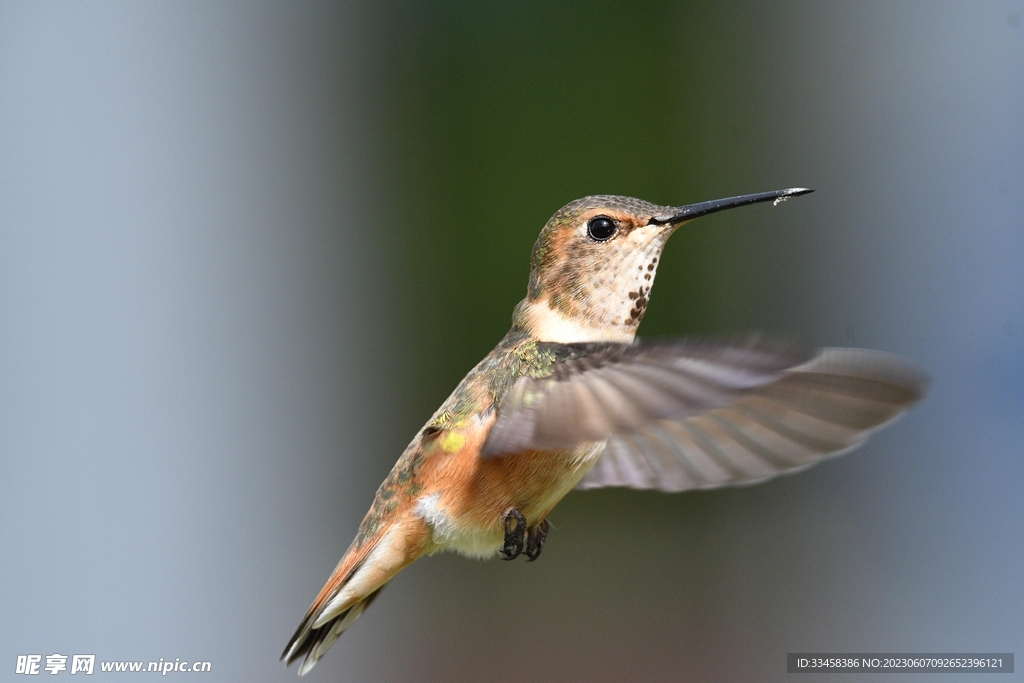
point(515, 534)
point(535, 540)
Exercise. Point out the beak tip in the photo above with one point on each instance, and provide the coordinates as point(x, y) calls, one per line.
point(791, 192)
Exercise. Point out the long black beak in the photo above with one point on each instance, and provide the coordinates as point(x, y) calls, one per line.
point(688, 213)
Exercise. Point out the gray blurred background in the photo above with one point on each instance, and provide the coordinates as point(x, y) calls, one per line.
point(247, 249)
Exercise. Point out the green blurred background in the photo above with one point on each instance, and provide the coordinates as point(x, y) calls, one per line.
point(246, 249)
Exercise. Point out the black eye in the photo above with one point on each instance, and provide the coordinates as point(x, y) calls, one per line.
point(601, 228)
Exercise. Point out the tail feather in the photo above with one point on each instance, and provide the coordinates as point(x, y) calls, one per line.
point(355, 583)
point(313, 643)
point(307, 638)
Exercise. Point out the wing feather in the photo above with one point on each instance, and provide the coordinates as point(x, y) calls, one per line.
point(683, 415)
point(816, 410)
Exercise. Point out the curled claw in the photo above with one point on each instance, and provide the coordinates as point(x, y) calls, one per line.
point(515, 534)
point(535, 540)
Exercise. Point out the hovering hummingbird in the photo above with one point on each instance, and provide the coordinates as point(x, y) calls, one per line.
point(569, 400)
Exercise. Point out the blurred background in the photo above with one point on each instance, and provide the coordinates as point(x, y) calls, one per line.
point(246, 249)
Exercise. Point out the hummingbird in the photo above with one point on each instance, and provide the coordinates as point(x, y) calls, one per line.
point(570, 399)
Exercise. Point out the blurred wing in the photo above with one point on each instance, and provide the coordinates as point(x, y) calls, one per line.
point(594, 391)
point(822, 408)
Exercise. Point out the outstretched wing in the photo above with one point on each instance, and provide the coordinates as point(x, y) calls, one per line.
point(690, 415)
point(821, 409)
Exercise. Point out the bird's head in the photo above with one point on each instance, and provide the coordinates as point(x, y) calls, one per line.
point(593, 265)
